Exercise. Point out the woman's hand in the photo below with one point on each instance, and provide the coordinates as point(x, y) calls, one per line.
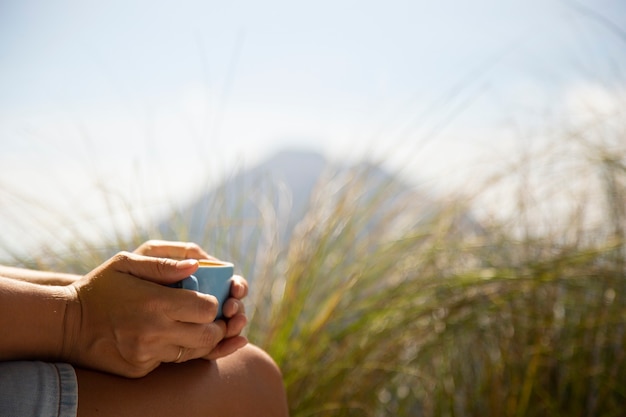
point(124, 320)
point(233, 309)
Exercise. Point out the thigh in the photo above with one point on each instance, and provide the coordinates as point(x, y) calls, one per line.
point(246, 382)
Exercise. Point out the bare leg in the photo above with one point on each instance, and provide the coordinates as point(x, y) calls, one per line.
point(246, 383)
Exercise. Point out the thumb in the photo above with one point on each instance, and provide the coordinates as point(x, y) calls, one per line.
point(159, 270)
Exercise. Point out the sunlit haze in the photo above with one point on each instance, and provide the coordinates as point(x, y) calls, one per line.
point(152, 99)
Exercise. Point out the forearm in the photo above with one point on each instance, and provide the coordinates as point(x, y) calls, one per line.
point(32, 320)
point(37, 277)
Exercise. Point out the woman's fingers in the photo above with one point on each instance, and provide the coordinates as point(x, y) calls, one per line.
point(197, 340)
point(159, 270)
point(174, 250)
point(236, 325)
point(164, 342)
point(188, 306)
point(233, 306)
point(238, 287)
point(226, 347)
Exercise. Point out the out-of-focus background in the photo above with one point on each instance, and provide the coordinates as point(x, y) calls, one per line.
point(427, 197)
point(153, 99)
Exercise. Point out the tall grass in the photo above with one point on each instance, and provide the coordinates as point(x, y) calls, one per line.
point(432, 322)
point(375, 309)
point(383, 302)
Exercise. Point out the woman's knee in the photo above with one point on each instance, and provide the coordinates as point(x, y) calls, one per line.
point(256, 380)
point(259, 363)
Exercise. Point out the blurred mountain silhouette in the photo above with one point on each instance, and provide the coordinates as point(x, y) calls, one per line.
point(277, 194)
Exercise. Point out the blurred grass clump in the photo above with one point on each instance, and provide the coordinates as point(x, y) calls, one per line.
point(385, 302)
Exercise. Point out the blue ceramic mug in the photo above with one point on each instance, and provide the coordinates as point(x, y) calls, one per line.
point(212, 277)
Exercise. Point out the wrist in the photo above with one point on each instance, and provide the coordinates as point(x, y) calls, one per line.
point(70, 326)
point(33, 317)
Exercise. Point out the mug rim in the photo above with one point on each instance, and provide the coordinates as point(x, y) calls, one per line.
point(213, 263)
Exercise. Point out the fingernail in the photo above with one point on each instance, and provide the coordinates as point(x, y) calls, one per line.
point(186, 264)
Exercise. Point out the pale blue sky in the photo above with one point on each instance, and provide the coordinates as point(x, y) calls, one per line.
point(305, 68)
point(110, 89)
